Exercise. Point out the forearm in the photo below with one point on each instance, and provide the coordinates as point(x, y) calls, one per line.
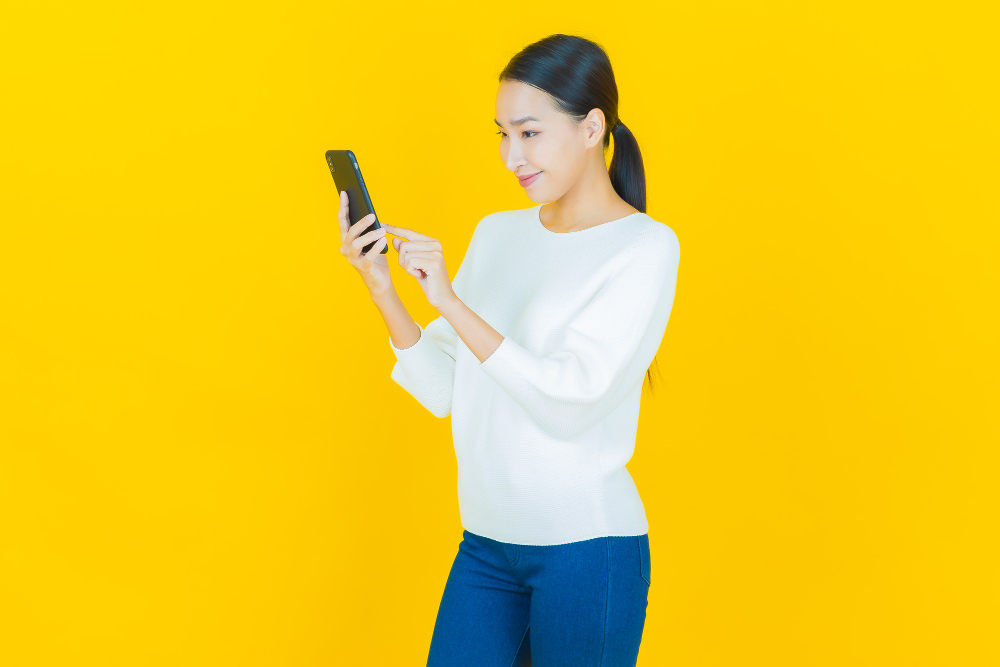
point(403, 330)
point(475, 332)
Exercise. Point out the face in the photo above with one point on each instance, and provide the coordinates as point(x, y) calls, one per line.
point(549, 143)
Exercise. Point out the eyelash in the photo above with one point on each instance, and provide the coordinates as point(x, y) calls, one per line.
point(526, 131)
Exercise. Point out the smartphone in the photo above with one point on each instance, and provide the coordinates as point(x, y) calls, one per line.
point(347, 177)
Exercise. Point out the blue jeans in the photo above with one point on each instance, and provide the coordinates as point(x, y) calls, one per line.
point(510, 605)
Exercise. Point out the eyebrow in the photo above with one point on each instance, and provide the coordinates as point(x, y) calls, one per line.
point(519, 121)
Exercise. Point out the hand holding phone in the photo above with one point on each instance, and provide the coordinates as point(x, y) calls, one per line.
point(372, 265)
point(347, 177)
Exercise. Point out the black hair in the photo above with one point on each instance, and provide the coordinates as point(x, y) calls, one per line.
point(576, 73)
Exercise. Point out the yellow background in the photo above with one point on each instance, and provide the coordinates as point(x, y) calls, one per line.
point(205, 462)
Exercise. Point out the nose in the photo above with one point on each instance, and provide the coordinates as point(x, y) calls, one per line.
point(513, 159)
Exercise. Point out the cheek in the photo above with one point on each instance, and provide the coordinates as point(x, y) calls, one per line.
point(557, 160)
point(545, 156)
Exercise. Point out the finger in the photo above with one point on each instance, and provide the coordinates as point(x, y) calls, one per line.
point(412, 271)
point(342, 213)
point(373, 254)
point(358, 244)
point(360, 226)
point(427, 255)
point(433, 244)
point(402, 247)
point(406, 233)
point(367, 238)
point(428, 266)
point(401, 257)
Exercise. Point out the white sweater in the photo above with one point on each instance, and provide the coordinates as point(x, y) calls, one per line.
point(544, 427)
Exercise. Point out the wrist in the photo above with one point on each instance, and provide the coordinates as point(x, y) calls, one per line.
point(449, 306)
point(388, 294)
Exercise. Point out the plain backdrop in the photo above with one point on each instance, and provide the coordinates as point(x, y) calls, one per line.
point(204, 461)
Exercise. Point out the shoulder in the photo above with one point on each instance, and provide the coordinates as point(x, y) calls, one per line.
point(656, 236)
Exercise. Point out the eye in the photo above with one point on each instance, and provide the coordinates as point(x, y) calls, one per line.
point(525, 132)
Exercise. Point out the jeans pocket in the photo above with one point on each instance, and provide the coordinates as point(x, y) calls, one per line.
point(644, 564)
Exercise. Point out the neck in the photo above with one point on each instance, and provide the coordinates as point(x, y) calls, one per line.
point(591, 201)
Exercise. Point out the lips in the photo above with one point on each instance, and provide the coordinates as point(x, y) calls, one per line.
point(527, 180)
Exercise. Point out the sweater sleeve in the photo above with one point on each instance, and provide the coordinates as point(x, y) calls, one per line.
point(426, 369)
point(606, 349)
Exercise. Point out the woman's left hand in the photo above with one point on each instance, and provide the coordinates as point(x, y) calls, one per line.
point(423, 258)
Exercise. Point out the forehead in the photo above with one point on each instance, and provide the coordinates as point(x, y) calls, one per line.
point(515, 100)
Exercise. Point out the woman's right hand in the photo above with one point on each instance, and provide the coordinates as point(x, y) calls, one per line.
point(373, 266)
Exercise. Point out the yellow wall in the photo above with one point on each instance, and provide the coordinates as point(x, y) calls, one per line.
point(205, 462)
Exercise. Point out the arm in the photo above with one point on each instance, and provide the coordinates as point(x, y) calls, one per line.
point(403, 330)
point(606, 349)
point(425, 356)
point(426, 368)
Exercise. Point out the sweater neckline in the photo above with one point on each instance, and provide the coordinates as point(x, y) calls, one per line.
point(548, 232)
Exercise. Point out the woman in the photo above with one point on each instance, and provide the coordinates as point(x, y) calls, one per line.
point(538, 355)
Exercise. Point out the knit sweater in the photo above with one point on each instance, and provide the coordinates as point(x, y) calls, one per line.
point(544, 426)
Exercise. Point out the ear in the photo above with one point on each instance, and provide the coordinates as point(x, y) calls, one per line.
point(594, 127)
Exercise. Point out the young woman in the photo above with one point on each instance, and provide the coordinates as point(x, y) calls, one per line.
point(539, 356)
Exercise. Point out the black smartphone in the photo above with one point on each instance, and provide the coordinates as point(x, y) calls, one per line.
point(347, 177)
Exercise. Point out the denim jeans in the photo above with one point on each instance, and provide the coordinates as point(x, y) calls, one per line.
point(510, 605)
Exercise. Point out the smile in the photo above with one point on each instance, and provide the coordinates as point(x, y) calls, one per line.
point(525, 182)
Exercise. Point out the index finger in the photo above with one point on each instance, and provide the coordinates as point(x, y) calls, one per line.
point(406, 233)
point(342, 213)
